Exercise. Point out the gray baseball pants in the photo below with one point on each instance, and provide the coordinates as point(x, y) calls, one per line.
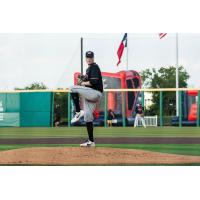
point(90, 99)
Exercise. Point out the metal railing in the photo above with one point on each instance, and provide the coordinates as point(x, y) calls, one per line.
point(160, 90)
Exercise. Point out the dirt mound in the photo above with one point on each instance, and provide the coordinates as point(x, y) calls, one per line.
point(90, 156)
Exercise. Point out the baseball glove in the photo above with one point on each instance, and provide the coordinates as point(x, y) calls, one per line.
point(82, 78)
point(79, 81)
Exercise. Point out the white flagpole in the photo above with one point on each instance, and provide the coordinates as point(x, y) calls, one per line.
point(127, 52)
point(177, 76)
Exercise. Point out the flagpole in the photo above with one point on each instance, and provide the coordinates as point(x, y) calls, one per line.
point(177, 76)
point(81, 55)
point(127, 52)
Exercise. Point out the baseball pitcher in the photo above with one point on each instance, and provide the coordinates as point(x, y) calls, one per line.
point(90, 88)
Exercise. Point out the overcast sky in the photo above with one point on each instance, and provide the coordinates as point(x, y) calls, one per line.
point(54, 58)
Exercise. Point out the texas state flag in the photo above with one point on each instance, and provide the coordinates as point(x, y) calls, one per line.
point(120, 50)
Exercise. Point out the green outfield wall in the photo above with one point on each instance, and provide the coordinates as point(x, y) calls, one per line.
point(32, 109)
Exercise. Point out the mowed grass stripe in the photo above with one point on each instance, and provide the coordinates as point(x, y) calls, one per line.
point(99, 132)
point(129, 130)
point(24, 136)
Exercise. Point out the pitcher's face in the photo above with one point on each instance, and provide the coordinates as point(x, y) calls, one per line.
point(89, 61)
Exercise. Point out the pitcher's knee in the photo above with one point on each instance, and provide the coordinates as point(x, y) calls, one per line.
point(72, 88)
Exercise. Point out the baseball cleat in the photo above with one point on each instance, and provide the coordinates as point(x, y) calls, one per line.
point(88, 143)
point(77, 116)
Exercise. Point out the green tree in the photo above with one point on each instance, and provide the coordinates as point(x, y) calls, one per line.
point(34, 86)
point(165, 77)
point(60, 105)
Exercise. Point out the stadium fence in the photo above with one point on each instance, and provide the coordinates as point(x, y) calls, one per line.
point(36, 107)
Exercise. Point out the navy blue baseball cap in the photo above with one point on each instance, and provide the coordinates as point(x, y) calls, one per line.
point(89, 54)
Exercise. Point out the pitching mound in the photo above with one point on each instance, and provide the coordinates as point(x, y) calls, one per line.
point(90, 156)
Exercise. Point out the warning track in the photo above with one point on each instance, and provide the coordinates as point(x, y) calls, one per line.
point(107, 140)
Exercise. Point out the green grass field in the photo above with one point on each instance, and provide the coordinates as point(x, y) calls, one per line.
point(184, 149)
point(99, 132)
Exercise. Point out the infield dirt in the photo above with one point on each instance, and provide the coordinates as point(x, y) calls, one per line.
point(90, 156)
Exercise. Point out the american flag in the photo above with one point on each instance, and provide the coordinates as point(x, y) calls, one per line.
point(162, 35)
